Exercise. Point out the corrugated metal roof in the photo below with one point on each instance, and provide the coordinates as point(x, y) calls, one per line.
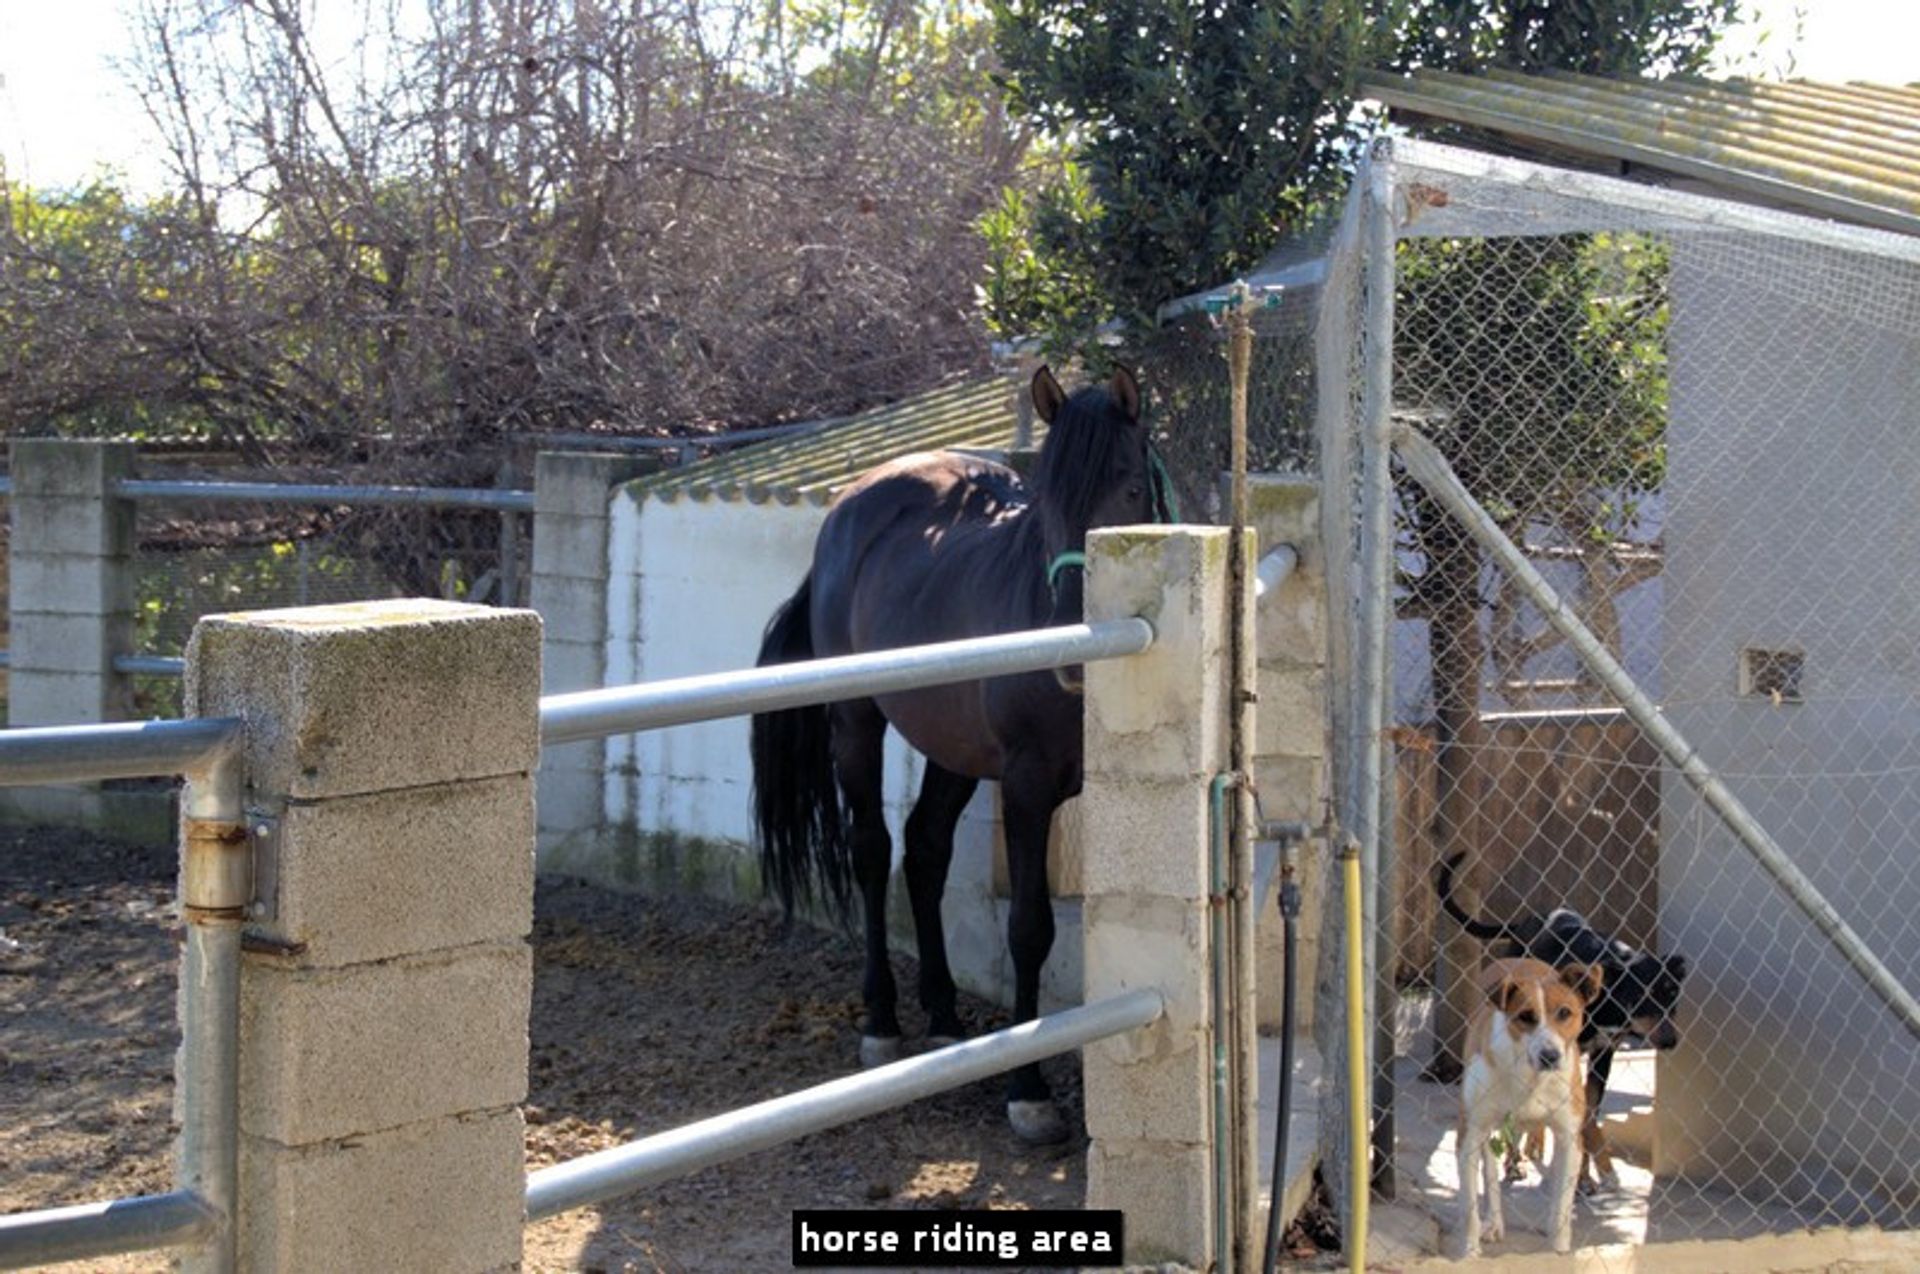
point(979, 414)
point(1845, 151)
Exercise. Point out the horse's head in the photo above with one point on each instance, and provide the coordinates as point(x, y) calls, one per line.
point(1097, 469)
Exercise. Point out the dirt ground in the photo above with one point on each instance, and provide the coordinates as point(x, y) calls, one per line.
point(647, 1014)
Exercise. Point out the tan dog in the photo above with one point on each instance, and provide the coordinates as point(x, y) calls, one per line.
point(1523, 1064)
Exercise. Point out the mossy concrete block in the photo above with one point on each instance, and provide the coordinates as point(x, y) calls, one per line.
point(389, 873)
point(332, 1053)
point(440, 1195)
point(1160, 713)
point(372, 696)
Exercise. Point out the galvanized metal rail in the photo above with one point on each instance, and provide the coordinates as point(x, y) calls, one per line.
point(215, 889)
point(590, 714)
point(497, 499)
point(621, 1169)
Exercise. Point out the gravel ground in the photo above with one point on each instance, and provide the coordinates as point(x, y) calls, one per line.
point(647, 1013)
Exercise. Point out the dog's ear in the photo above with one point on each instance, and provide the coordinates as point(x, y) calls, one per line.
point(1585, 979)
point(1503, 994)
point(1677, 967)
point(1047, 394)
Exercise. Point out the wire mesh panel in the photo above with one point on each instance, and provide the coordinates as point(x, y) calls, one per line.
point(208, 556)
point(1696, 420)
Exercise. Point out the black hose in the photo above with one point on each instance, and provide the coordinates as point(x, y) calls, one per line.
point(1289, 912)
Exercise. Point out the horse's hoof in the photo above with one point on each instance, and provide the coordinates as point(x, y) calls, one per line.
point(1037, 1123)
point(878, 1050)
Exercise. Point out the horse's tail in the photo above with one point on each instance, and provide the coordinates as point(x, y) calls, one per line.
point(797, 814)
point(1478, 928)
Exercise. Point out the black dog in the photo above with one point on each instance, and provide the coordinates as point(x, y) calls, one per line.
point(1638, 993)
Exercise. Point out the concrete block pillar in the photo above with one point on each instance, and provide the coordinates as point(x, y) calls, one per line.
point(389, 755)
point(1290, 744)
point(70, 582)
point(1156, 734)
point(571, 490)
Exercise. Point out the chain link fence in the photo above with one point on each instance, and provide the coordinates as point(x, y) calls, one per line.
point(1696, 422)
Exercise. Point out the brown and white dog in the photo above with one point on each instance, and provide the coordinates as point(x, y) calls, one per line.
point(1523, 1065)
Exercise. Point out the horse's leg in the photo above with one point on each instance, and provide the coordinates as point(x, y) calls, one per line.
point(1029, 793)
point(858, 733)
point(943, 795)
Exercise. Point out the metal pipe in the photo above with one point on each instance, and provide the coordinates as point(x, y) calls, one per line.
point(149, 1223)
point(591, 714)
point(1356, 1234)
point(1376, 599)
point(324, 493)
point(1424, 461)
point(150, 665)
point(216, 887)
point(1219, 972)
point(1283, 1105)
point(130, 750)
point(651, 1160)
point(1276, 565)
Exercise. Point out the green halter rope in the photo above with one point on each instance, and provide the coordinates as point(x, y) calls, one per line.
point(1163, 499)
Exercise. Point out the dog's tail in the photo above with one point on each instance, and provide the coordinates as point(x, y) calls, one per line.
point(1478, 928)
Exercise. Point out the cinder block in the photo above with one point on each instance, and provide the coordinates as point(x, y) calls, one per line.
point(1145, 837)
point(1157, 943)
point(1169, 1098)
point(330, 1053)
point(1290, 624)
point(1166, 1191)
point(1292, 719)
point(72, 524)
point(570, 665)
point(371, 877)
point(579, 483)
point(1285, 511)
point(573, 608)
point(1292, 787)
point(64, 698)
point(372, 696)
point(69, 584)
point(70, 643)
point(570, 547)
point(67, 466)
point(445, 1195)
point(1160, 713)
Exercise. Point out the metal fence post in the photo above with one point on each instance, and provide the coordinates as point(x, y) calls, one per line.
point(1159, 1104)
point(384, 999)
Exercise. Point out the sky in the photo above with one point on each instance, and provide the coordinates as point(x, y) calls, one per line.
point(66, 113)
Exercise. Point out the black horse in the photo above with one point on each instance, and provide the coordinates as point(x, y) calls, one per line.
point(937, 547)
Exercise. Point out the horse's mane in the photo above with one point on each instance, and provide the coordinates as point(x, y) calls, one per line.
point(1077, 457)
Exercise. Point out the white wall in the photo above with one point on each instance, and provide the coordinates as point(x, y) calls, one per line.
point(691, 587)
point(1794, 479)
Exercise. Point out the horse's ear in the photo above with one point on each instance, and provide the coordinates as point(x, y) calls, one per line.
point(1047, 394)
point(1126, 392)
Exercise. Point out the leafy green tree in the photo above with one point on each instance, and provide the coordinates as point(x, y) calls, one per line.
point(1204, 131)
